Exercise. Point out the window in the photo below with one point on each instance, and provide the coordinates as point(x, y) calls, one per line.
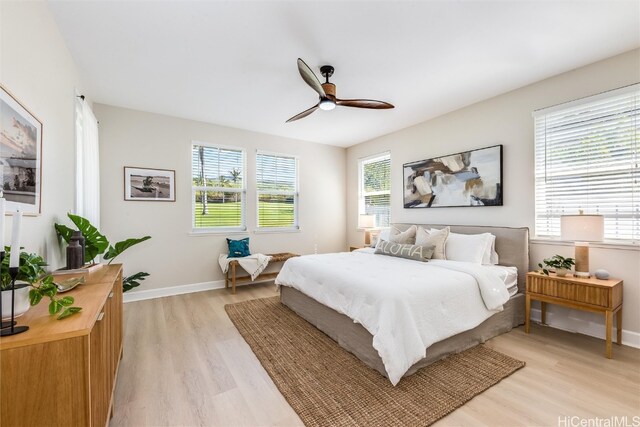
point(375, 188)
point(277, 188)
point(586, 157)
point(218, 187)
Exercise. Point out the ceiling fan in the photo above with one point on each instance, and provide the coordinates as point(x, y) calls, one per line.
point(327, 92)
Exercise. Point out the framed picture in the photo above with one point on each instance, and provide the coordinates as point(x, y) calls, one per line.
point(152, 185)
point(20, 156)
point(470, 178)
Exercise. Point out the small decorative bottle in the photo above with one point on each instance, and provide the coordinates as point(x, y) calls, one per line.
point(77, 235)
point(74, 255)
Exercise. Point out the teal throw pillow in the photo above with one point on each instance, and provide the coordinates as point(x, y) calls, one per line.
point(238, 248)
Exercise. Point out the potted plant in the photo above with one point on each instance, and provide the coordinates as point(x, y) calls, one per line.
point(32, 285)
point(561, 265)
point(97, 244)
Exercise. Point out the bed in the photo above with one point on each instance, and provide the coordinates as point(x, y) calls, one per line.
point(512, 245)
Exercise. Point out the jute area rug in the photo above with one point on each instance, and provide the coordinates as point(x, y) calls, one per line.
point(328, 386)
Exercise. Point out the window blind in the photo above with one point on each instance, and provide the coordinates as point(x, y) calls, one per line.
point(375, 188)
point(586, 158)
point(218, 187)
point(277, 189)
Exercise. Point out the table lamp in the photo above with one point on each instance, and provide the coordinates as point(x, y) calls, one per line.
point(582, 229)
point(367, 222)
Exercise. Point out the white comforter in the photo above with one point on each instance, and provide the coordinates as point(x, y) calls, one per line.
point(406, 305)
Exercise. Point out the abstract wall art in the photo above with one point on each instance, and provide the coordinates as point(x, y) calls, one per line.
point(470, 178)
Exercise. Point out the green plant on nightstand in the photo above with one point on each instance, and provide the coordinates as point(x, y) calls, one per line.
point(561, 265)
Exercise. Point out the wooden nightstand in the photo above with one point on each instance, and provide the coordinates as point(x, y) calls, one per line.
point(599, 296)
point(353, 248)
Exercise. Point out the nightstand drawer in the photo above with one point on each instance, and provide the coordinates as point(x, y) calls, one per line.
point(559, 288)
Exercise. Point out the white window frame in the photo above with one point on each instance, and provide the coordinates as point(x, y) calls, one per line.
point(362, 194)
point(540, 139)
point(295, 194)
point(243, 191)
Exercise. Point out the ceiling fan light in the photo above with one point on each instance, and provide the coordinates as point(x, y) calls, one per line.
point(327, 104)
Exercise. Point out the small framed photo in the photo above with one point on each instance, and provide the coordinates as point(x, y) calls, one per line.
point(20, 155)
point(151, 185)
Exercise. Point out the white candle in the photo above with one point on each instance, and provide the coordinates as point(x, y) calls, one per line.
point(2, 213)
point(14, 261)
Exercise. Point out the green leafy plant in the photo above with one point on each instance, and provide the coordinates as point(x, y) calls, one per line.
point(133, 281)
point(46, 288)
point(97, 244)
point(120, 247)
point(31, 270)
point(557, 262)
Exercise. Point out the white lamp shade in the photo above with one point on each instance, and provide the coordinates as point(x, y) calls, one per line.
point(367, 221)
point(582, 228)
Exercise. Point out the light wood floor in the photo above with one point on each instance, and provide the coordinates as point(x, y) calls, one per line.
point(186, 364)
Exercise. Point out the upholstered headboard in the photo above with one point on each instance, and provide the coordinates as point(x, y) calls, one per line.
point(512, 244)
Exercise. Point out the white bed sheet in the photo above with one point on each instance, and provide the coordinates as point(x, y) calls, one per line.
point(405, 305)
point(508, 275)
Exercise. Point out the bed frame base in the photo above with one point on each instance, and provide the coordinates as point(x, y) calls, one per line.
point(354, 338)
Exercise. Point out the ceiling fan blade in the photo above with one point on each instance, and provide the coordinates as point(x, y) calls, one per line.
point(304, 114)
point(364, 103)
point(309, 77)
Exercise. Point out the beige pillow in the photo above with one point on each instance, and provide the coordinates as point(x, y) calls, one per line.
point(435, 238)
point(406, 237)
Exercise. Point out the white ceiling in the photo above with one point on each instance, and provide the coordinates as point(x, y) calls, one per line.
point(234, 62)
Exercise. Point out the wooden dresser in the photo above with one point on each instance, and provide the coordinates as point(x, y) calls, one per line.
point(62, 372)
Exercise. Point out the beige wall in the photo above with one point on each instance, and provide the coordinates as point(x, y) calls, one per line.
point(507, 120)
point(37, 68)
point(175, 257)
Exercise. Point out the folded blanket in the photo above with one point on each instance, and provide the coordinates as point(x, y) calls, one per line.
point(252, 264)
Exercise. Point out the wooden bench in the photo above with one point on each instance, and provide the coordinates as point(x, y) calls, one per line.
point(233, 280)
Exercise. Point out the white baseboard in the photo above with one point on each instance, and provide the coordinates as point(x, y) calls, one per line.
point(558, 321)
point(178, 290)
point(132, 296)
point(567, 323)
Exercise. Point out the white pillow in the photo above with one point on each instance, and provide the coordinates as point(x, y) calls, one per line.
point(495, 258)
point(384, 234)
point(406, 237)
point(490, 256)
point(467, 247)
point(435, 238)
